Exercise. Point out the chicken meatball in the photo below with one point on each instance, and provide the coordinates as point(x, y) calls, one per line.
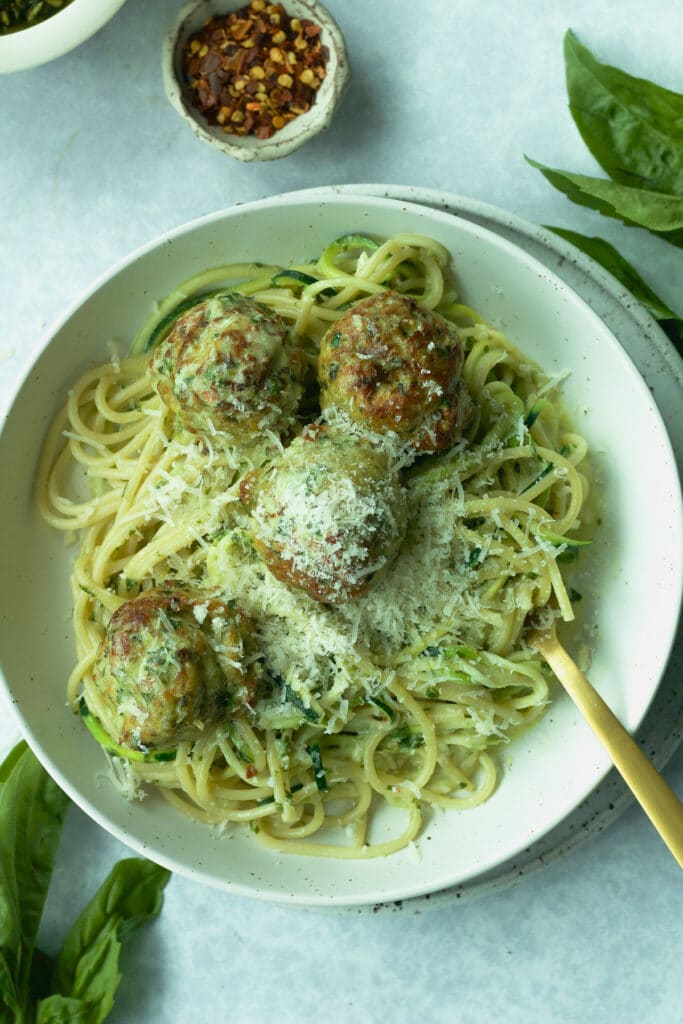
point(171, 663)
point(228, 366)
point(328, 514)
point(393, 366)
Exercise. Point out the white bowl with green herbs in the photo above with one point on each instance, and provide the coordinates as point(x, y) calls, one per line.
point(633, 581)
point(34, 32)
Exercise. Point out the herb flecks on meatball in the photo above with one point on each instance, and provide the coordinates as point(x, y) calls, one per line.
point(229, 367)
point(328, 514)
point(394, 366)
point(171, 663)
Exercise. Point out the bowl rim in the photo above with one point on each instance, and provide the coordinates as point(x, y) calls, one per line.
point(50, 334)
point(57, 35)
point(293, 135)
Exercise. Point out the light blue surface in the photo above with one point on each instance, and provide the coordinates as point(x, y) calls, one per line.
point(445, 95)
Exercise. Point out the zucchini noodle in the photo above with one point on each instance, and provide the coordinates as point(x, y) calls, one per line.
point(396, 700)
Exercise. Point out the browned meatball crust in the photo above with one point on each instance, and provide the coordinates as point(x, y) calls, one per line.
point(229, 367)
point(171, 663)
point(393, 366)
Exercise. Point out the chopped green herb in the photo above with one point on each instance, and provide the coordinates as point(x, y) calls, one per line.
point(404, 738)
point(474, 558)
point(432, 652)
point(388, 711)
point(293, 698)
point(535, 412)
point(243, 752)
point(319, 773)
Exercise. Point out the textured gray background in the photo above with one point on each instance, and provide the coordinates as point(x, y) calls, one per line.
point(445, 95)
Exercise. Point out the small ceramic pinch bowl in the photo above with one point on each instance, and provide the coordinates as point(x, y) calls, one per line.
point(192, 17)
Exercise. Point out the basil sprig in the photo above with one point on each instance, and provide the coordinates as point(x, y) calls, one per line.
point(634, 129)
point(32, 810)
point(79, 985)
point(611, 259)
point(660, 214)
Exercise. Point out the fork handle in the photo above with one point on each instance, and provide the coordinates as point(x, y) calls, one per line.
point(658, 800)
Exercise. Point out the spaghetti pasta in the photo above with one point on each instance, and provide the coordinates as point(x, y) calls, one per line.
point(396, 699)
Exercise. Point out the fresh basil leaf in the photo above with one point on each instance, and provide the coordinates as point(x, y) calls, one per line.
point(58, 1010)
point(633, 127)
point(11, 1000)
point(660, 213)
point(611, 259)
point(86, 969)
point(42, 967)
point(8, 764)
point(95, 978)
point(32, 809)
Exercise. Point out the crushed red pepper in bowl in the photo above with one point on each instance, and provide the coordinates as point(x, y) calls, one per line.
point(244, 89)
point(253, 70)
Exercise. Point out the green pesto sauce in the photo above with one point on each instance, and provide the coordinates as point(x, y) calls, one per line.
point(18, 14)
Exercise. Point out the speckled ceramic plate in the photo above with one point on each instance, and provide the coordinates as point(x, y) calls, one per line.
point(661, 367)
point(550, 770)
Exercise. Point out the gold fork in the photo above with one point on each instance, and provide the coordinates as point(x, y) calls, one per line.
point(655, 796)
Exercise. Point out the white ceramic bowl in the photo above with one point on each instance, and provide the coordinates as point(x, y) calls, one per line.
point(294, 134)
point(57, 35)
point(638, 558)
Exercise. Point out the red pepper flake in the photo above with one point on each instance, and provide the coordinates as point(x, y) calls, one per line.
point(254, 70)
